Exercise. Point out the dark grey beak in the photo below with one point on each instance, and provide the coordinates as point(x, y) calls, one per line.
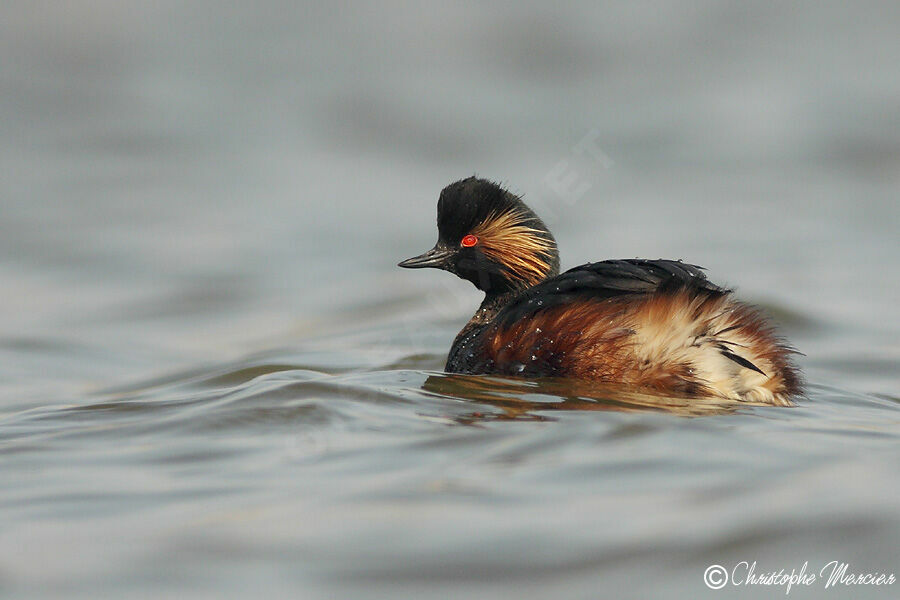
point(437, 258)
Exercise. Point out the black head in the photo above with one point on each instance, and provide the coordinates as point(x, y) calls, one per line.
point(488, 236)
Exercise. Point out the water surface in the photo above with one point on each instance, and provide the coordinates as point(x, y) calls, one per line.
point(214, 382)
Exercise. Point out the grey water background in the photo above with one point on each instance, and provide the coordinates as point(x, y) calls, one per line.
point(214, 381)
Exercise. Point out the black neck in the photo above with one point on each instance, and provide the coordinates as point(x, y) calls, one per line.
point(490, 306)
point(461, 358)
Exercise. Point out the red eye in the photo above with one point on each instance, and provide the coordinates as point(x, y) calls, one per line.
point(469, 241)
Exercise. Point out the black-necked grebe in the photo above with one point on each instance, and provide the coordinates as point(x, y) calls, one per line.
point(658, 324)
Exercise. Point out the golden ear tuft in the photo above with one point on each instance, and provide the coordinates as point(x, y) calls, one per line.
point(524, 251)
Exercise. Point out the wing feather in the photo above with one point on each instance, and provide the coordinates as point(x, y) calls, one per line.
point(609, 279)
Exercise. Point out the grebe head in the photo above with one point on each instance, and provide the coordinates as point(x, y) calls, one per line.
point(488, 236)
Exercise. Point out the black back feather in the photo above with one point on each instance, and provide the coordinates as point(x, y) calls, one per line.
point(609, 279)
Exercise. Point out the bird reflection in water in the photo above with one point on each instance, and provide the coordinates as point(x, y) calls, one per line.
point(534, 399)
